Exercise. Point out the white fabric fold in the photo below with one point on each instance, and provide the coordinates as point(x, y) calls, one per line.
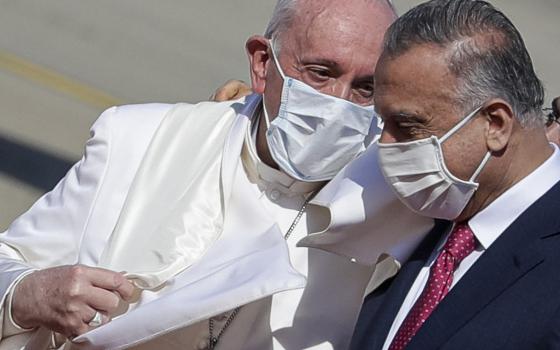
point(366, 217)
point(175, 208)
point(200, 293)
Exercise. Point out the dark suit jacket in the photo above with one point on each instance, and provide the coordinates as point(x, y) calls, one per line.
point(509, 299)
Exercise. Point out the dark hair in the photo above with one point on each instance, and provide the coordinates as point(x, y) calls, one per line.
point(489, 56)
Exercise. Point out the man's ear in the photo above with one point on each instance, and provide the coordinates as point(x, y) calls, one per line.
point(501, 124)
point(257, 51)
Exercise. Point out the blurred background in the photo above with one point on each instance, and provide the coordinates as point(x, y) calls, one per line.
point(62, 62)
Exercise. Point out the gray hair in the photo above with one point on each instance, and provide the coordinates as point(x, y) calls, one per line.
point(489, 56)
point(284, 12)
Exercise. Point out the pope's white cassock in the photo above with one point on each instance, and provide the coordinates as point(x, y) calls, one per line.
point(176, 196)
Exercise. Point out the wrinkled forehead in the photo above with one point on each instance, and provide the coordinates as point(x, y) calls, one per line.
point(338, 30)
point(416, 81)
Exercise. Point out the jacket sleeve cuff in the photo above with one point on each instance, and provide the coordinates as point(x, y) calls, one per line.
point(9, 325)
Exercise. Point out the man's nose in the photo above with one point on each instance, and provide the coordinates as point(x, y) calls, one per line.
point(387, 135)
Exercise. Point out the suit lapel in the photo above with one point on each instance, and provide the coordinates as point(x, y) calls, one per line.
point(515, 253)
point(380, 326)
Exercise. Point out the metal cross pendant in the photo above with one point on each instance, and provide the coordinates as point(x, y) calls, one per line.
point(213, 343)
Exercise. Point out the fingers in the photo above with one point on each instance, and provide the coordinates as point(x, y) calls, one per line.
point(65, 298)
point(85, 323)
point(100, 302)
point(103, 300)
point(111, 281)
point(231, 90)
point(88, 316)
point(90, 313)
point(227, 91)
point(243, 91)
point(75, 323)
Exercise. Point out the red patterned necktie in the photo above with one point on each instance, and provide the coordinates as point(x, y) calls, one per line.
point(459, 245)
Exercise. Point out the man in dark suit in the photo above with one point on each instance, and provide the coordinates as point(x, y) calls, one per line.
point(464, 142)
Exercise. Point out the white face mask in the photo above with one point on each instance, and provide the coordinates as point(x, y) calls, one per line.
point(417, 173)
point(315, 135)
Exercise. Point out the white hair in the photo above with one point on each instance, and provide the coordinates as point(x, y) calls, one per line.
point(283, 14)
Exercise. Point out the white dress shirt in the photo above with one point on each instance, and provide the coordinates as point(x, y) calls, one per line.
point(487, 226)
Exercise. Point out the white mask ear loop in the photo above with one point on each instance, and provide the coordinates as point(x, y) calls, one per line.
point(481, 166)
point(459, 125)
point(271, 43)
point(266, 119)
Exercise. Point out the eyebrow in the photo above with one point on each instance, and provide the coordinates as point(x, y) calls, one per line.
point(410, 116)
point(324, 61)
point(334, 66)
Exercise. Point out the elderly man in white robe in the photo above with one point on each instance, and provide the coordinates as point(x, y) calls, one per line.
point(219, 225)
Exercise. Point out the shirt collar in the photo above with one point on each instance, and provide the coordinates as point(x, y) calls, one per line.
point(491, 222)
point(264, 175)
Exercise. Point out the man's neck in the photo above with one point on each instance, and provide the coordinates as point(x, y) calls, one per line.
point(528, 151)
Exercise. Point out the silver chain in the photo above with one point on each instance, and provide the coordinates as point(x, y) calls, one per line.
point(297, 218)
point(213, 340)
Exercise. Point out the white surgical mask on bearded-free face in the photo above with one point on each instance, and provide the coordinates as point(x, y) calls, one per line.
point(315, 135)
point(417, 173)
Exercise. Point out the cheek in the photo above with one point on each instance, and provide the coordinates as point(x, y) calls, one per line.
point(454, 160)
point(272, 102)
point(463, 153)
point(272, 94)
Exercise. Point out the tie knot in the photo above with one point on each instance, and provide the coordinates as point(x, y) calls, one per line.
point(461, 242)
